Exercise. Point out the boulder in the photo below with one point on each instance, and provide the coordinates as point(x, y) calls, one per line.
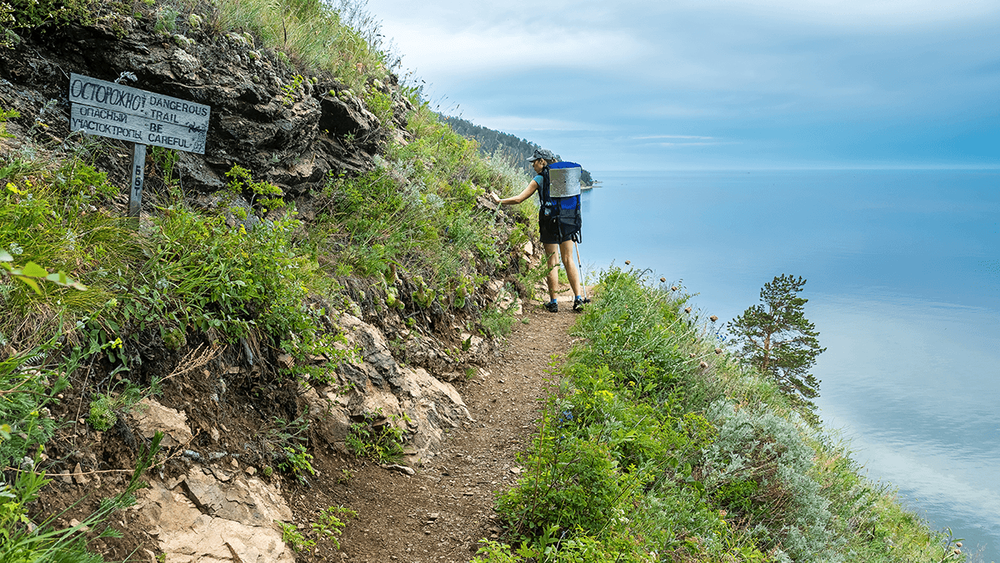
point(379, 388)
point(282, 126)
point(152, 417)
point(202, 520)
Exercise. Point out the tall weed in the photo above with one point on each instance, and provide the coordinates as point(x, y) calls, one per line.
point(759, 470)
point(417, 215)
point(684, 460)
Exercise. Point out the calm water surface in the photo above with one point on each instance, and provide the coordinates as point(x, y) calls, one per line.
point(903, 271)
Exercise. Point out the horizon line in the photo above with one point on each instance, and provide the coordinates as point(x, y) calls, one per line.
point(911, 167)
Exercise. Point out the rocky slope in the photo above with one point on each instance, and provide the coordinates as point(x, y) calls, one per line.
point(291, 131)
point(214, 496)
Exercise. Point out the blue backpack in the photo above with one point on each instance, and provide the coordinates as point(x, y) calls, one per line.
point(560, 198)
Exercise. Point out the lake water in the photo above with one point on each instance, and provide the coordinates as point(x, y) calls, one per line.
point(903, 271)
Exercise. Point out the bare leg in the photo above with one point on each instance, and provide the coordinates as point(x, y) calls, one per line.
point(571, 270)
point(552, 279)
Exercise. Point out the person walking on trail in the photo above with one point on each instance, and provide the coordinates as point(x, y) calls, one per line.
point(559, 231)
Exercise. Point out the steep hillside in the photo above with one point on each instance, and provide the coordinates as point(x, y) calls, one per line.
point(493, 142)
point(295, 351)
point(304, 296)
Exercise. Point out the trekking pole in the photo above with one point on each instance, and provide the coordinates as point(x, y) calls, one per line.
point(579, 265)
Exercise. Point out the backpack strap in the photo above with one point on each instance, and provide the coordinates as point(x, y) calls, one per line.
point(543, 193)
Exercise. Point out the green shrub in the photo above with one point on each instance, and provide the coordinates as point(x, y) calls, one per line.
point(496, 322)
point(6, 19)
point(291, 535)
point(24, 540)
point(695, 475)
point(643, 338)
point(759, 468)
point(107, 407)
point(297, 461)
point(574, 484)
point(328, 524)
point(377, 438)
point(27, 391)
point(263, 196)
point(33, 13)
point(380, 104)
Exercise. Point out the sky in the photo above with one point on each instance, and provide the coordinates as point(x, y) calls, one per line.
point(715, 84)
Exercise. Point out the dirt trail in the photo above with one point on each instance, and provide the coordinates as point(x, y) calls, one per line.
point(440, 513)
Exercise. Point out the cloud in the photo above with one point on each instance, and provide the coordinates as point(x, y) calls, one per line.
point(867, 14)
point(498, 37)
point(521, 123)
point(824, 80)
point(685, 137)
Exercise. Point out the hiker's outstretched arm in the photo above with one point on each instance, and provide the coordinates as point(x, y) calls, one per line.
point(532, 187)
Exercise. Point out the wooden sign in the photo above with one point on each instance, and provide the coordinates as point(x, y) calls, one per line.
point(129, 114)
point(103, 108)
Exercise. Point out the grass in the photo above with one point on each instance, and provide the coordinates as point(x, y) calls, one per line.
point(416, 216)
point(83, 287)
point(658, 447)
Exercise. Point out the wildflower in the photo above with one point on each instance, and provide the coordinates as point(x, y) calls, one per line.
point(713, 318)
point(703, 364)
point(663, 280)
point(673, 288)
point(687, 309)
point(627, 262)
point(13, 188)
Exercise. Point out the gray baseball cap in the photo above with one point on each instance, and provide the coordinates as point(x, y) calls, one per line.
point(542, 153)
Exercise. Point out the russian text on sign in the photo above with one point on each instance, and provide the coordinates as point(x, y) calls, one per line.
point(116, 97)
point(136, 128)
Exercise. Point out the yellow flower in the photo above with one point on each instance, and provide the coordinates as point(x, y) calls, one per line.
point(13, 188)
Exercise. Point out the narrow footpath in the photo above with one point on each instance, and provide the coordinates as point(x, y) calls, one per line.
point(441, 512)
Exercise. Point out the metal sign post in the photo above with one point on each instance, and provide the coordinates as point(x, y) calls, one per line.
point(145, 118)
point(138, 173)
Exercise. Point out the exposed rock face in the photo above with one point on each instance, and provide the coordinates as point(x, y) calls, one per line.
point(152, 417)
point(378, 387)
point(215, 517)
point(291, 131)
point(286, 128)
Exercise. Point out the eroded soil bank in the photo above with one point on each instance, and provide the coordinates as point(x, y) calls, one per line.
point(209, 506)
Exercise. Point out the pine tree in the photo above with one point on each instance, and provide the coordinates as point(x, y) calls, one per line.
point(777, 339)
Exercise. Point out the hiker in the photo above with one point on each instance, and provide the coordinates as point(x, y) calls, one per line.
point(558, 232)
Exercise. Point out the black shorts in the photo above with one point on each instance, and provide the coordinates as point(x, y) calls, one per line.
point(561, 227)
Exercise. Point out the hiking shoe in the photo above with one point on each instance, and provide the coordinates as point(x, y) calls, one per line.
point(578, 305)
point(552, 307)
